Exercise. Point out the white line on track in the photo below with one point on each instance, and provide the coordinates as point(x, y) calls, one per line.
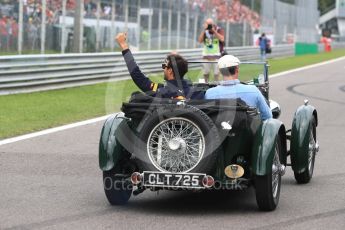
point(73, 125)
point(52, 130)
point(307, 67)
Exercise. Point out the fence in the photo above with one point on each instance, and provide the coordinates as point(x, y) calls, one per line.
point(290, 23)
point(29, 73)
point(151, 24)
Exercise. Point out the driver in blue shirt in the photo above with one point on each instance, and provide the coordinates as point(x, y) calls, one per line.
point(232, 88)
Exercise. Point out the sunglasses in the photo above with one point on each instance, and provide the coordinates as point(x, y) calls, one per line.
point(164, 65)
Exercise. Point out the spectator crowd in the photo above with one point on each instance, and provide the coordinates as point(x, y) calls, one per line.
point(221, 10)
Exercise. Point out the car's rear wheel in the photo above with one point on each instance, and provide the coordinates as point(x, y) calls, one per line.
point(117, 186)
point(267, 187)
point(178, 139)
point(305, 177)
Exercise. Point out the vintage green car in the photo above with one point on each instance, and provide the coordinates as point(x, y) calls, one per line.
point(222, 144)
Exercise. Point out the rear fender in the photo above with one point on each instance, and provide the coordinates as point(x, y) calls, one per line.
point(264, 146)
point(110, 149)
point(300, 135)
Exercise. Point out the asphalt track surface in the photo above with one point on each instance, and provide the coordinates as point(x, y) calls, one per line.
point(53, 181)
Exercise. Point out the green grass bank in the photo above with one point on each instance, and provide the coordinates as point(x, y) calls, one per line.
point(25, 113)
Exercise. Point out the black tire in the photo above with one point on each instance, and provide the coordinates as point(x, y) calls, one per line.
point(117, 190)
point(190, 114)
point(267, 198)
point(305, 177)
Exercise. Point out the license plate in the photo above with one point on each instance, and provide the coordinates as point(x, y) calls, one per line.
point(173, 180)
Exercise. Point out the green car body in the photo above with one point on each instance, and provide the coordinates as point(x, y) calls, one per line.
point(109, 148)
point(300, 136)
point(262, 138)
point(259, 147)
point(264, 144)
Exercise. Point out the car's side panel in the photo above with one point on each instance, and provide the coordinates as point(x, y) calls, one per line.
point(300, 137)
point(232, 146)
point(109, 148)
point(264, 146)
point(237, 142)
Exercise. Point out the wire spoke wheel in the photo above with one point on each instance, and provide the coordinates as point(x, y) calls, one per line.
point(311, 152)
point(173, 139)
point(267, 187)
point(176, 145)
point(275, 173)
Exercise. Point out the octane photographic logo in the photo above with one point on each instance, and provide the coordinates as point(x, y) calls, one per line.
point(129, 136)
point(237, 184)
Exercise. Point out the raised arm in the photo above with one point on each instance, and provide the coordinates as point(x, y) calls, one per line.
point(143, 82)
point(219, 34)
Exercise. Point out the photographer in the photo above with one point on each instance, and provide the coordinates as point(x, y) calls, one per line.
point(212, 38)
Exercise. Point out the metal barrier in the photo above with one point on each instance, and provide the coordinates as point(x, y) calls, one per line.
point(334, 45)
point(29, 73)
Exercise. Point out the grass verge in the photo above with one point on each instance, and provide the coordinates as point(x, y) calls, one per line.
point(283, 64)
point(24, 113)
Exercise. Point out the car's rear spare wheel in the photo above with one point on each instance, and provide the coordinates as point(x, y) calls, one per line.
point(178, 139)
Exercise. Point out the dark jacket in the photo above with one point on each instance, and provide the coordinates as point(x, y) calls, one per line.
point(171, 89)
point(263, 43)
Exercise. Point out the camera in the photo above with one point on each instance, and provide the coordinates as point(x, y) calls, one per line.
point(208, 39)
point(209, 26)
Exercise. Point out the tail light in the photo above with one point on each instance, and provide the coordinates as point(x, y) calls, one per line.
point(207, 181)
point(136, 178)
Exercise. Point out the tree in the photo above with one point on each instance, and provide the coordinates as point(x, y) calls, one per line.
point(325, 4)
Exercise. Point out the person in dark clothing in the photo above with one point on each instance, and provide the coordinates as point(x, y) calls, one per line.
point(264, 44)
point(174, 67)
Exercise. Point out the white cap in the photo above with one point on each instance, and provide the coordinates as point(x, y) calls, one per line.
point(228, 61)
